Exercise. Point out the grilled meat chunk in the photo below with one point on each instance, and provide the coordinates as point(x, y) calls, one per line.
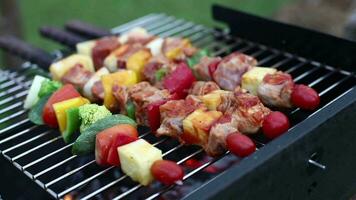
point(249, 112)
point(98, 91)
point(174, 112)
point(77, 76)
point(103, 48)
point(217, 136)
point(121, 93)
point(202, 88)
point(203, 68)
point(276, 89)
point(142, 94)
point(230, 70)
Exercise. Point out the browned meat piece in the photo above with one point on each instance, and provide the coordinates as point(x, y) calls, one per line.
point(142, 94)
point(201, 88)
point(123, 53)
point(175, 48)
point(276, 89)
point(217, 136)
point(202, 69)
point(121, 93)
point(249, 112)
point(77, 76)
point(230, 70)
point(103, 47)
point(98, 91)
point(173, 113)
point(228, 101)
point(154, 64)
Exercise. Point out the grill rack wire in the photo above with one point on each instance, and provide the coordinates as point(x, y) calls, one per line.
point(20, 139)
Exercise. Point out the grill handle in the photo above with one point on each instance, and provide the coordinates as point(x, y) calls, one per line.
point(26, 51)
point(85, 29)
point(62, 36)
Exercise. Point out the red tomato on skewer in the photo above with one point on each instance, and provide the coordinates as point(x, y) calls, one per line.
point(66, 92)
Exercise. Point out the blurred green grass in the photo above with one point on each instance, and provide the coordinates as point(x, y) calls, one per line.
point(110, 13)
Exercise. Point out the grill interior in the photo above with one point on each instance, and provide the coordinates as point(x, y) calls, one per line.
point(41, 154)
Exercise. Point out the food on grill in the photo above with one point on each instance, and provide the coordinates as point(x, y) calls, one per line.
point(124, 78)
point(254, 77)
point(61, 107)
point(64, 93)
point(275, 124)
point(108, 140)
point(240, 144)
point(73, 124)
point(179, 80)
point(48, 87)
point(32, 96)
point(196, 126)
point(137, 158)
point(35, 114)
point(89, 85)
point(91, 113)
point(305, 97)
point(136, 62)
point(85, 143)
point(77, 75)
point(167, 172)
point(60, 68)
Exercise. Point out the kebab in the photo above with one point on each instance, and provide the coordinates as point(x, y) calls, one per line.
point(273, 87)
point(212, 119)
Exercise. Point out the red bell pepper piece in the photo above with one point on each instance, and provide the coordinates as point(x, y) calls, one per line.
point(180, 80)
point(109, 140)
point(153, 114)
point(66, 92)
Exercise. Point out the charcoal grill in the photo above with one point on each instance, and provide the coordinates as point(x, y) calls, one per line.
point(314, 160)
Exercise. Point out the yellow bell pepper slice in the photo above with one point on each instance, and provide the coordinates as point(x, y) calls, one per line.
point(124, 78)
point(61, 107)
point(137, 61)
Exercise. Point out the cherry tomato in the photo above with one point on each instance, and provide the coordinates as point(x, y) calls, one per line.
point(109, 139)
point(167, 172)
point(240, 144)
point(305, 97)
point(66, 92)
point(275, 124)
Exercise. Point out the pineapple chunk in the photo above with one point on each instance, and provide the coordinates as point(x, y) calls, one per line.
point(85, 48)
point(253, 78)
point(213, 99)
point(197, 125)
point(137, 61)
point(58, 69)
point(136, 159)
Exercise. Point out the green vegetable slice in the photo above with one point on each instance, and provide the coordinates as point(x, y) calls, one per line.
point(73, 123)
point(48, 87)
point(160, 74)
point(85, 143)
point(195, 59)
point(35, 114)
point(130, 109)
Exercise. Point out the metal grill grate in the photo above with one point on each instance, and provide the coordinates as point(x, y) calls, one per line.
point(42, 155)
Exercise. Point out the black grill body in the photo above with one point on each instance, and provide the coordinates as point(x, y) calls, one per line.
point(282, 169)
